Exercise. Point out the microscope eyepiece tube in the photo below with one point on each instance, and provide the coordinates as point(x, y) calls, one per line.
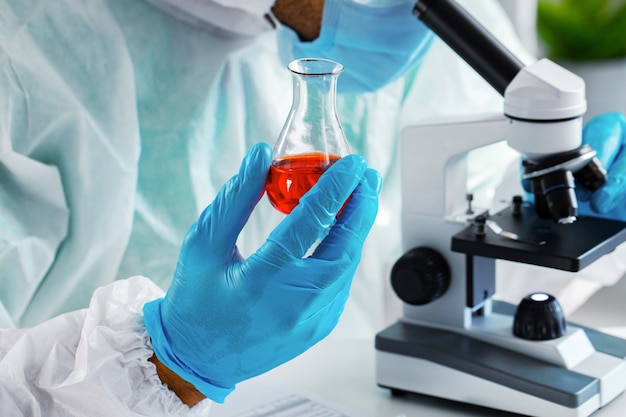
point(470, 40)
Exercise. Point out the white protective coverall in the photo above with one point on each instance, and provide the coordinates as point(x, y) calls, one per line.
point(118, 124)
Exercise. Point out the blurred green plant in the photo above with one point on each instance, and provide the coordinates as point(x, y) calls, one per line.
point(582, 30)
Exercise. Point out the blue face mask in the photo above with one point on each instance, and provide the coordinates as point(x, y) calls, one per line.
point(375, 44)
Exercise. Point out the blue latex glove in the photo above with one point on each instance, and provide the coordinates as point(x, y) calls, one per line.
point(225, 319)
point(607, 135)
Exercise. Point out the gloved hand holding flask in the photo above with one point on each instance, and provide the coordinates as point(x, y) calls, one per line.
point(606, 134)
point(225, 319)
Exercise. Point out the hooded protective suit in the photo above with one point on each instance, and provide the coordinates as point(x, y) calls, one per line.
point(118, 124)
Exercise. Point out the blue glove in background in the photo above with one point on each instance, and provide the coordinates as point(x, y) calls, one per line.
point(225, 319)
point(606, 134)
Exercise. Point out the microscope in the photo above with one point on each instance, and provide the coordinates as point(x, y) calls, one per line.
point(454, 341)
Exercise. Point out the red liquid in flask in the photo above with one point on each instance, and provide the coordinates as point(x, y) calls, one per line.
point(291, 177)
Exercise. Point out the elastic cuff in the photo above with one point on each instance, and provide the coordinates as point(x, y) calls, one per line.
point(163, 351)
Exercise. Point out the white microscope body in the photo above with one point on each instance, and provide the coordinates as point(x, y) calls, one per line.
point(453, 341)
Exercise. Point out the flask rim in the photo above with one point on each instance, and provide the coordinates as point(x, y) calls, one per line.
point(315, 67)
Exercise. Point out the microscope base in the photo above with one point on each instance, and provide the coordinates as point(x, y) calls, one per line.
point(449, 365)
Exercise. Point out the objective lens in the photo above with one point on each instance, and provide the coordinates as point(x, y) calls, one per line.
point(592, 175)
point(555, 197)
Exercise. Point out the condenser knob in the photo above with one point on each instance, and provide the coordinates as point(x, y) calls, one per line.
point(539, 317)
point(420, 276)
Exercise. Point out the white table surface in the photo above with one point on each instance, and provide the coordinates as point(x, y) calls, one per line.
point(343, 371)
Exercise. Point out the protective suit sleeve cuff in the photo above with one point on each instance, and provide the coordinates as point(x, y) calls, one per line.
point(95, 357)
point(163, 350)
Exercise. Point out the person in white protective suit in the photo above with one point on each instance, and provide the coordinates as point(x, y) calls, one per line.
point(120, 123)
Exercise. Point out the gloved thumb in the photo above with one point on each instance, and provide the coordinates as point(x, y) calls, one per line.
point(607, 135)
point(221, 222)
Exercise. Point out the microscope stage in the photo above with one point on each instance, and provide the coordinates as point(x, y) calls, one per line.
point(569, 247)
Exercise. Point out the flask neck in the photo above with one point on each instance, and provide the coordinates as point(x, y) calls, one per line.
point(313, 126)
point(314, 96)
point(315, 87)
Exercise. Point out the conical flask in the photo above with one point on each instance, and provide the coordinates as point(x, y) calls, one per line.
point(312, 138)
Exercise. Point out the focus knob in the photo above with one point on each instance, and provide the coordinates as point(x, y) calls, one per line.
point(420, 276)
point(539, 317)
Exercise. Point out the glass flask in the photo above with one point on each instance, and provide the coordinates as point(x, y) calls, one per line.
point(312, 138)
